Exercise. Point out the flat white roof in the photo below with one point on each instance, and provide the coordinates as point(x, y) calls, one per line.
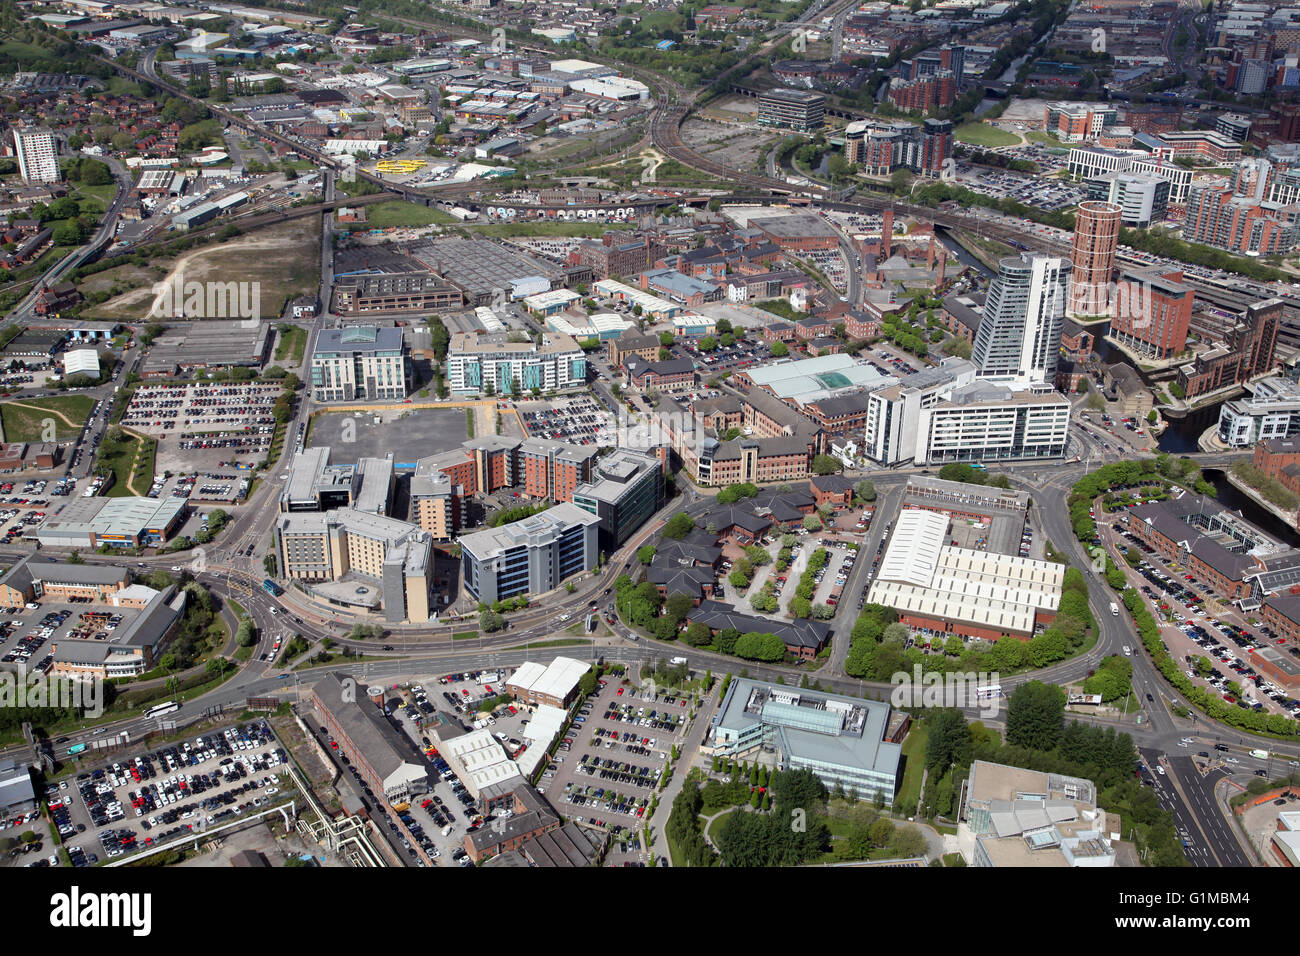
point(999, 591)
point(526, 675)
point(554, 680)
point(913, 551)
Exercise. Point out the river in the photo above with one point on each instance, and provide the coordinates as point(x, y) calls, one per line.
point(1228, 496)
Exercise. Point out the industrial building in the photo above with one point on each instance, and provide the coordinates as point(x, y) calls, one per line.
point(386, 760)
point(207, 345)
point(848, 742)
point(940, 588)
point(554, 684)
point(88, 523)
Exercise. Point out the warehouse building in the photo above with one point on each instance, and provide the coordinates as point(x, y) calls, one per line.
point(482, 765)
point(88, 523)
point(941, 589)
point(202, 345)
point(383, 757)
point(554, 684)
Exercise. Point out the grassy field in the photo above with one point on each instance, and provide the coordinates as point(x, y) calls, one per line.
point(981, 134)
point(120, 462)
point(717, 823)
point(142, 476)
point(1038, 136)
point(282, 262)
point(384, 215)
point(101, 196)
point(914, 753)
point(290, 345)
point(121, 278)
point(25, 421)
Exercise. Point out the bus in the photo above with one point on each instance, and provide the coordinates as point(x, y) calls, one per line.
point(76, 749)
point(988, 692)
point(978, 466)
point(160, 710)
point(271, 588)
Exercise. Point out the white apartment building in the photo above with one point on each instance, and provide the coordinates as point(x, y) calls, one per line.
point(1089, 162)
point(38, 160)
point(947, 414)
point(987, 422)
point(475, 362)
point(1271, 411)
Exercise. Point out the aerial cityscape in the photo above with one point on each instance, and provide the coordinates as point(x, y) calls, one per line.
point(774, 433)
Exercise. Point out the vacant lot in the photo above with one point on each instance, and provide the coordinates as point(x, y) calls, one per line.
point(290, 345)
point(387, 214)
point(25, 421)
point(284, 259)
point(981, 134)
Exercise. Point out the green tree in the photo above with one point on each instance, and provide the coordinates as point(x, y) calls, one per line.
point(1035, 715)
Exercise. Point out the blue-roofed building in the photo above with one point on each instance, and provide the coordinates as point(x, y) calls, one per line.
point(679, 287)
point(848, 741)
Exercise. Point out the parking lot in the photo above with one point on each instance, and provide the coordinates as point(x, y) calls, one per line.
point(742, 354)
point(577, 421)
point(409, 433)
point(27, 634)
point(149, 799)
point(1195, 633)
point(201, 427)
point(610, 762)
point(829, 581)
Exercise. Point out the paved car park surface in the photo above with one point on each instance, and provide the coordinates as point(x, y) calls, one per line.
point(578, 421)
point(27, 635)
point(610, 761)
point(200, 427)
point(1222, 638)
point(145, 799)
